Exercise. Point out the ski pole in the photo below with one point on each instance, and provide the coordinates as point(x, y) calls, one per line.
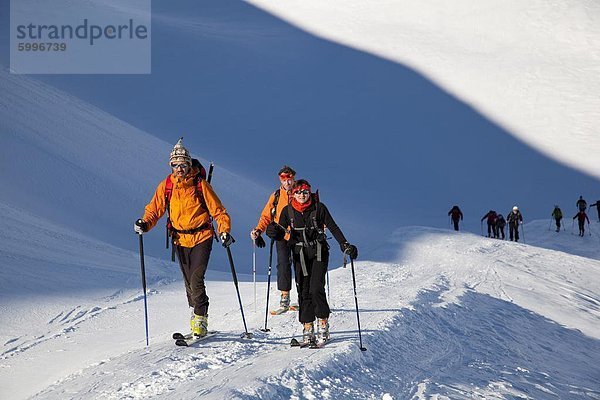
point(328, 292)
point(572, 226)
point(237, 289)
point(481, 228)
point(254, 271)
point(550, 224)
point(523, 229)
point(355, 300)
point(268, 285)
point(144, 285)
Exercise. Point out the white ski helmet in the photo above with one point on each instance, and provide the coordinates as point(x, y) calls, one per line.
point(515, 208)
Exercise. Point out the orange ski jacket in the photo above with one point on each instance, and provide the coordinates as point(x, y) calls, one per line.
point(187, 210)
point(265, 215)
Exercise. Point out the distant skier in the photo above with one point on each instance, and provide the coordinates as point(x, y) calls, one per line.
point(305, 219)
point(270, 213)
point(190, 202)
point(500, 224)
point(581, 218)
point(597, 205)
point(514, 219)
point(557, 215)
point(491, 223)
point(581, 204)
point(456, 215)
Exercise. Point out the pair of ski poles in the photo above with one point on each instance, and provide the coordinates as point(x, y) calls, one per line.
point(246, 334)
point(231, 264)
point(265, 329)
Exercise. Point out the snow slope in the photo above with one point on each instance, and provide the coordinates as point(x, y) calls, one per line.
point(91, 172)
point(455, 316)
point(484, 106)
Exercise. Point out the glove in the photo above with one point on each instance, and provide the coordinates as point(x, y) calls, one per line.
point(226, 239)
point(275, 231)
point(349, 249)
point(140, 226)
point(255, 233)
point(259, 242)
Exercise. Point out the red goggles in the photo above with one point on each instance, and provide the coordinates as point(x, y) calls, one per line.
point(284, 177)
point(304, 189)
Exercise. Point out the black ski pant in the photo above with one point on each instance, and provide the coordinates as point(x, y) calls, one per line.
point(513, 229)
point(581, 227)
point(193, 262)
point(492, 232)
point(558, 223)
point(311, 288)
point(455, 222)
point(284, 266)
point(500, 230)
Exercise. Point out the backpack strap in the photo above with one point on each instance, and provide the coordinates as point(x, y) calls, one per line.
point(275, 202)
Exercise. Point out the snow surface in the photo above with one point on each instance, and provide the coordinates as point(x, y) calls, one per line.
point(455, 316)
point(414, 105)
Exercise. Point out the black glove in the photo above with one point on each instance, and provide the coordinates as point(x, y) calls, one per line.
point(226, 239)
point(275, 231)
point(349, 249)
point(140, 226)
point(260, 242)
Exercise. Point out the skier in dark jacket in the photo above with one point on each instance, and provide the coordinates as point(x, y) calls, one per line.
point(491, 223)
point(581, 218)
point(557, 215)
point(305, 218)
point(500, 224)
point(456, 215)
point(581, 204)
point(597, 205)
point(514, 219)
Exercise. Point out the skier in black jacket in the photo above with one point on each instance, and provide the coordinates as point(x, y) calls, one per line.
point(305, 218)
point(456, 215)
point(514, 219)
point(491, 223)
point(581, 218)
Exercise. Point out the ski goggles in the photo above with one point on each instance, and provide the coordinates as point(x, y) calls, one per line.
point(284, 177)
point(305, 192)
point(177, 166)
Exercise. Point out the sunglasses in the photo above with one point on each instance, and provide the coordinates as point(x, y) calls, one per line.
point(176, 166)
point(304, 192)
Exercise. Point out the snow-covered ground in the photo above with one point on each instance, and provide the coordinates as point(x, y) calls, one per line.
point(409, 107)
point(455, 316)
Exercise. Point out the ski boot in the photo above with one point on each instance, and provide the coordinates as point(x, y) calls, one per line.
point(284, 301)
point(200, 325)
point(308, 334)
point(322, 331)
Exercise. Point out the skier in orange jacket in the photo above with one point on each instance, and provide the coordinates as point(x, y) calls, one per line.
point(190, 202)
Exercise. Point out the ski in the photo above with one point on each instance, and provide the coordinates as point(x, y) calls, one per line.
point(282, 310)
point(310, 345)
point(189, 339)
point(316, 345)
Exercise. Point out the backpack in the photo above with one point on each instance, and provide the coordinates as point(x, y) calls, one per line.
point(275, 202)
point(582, 205)
point(557, 213)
